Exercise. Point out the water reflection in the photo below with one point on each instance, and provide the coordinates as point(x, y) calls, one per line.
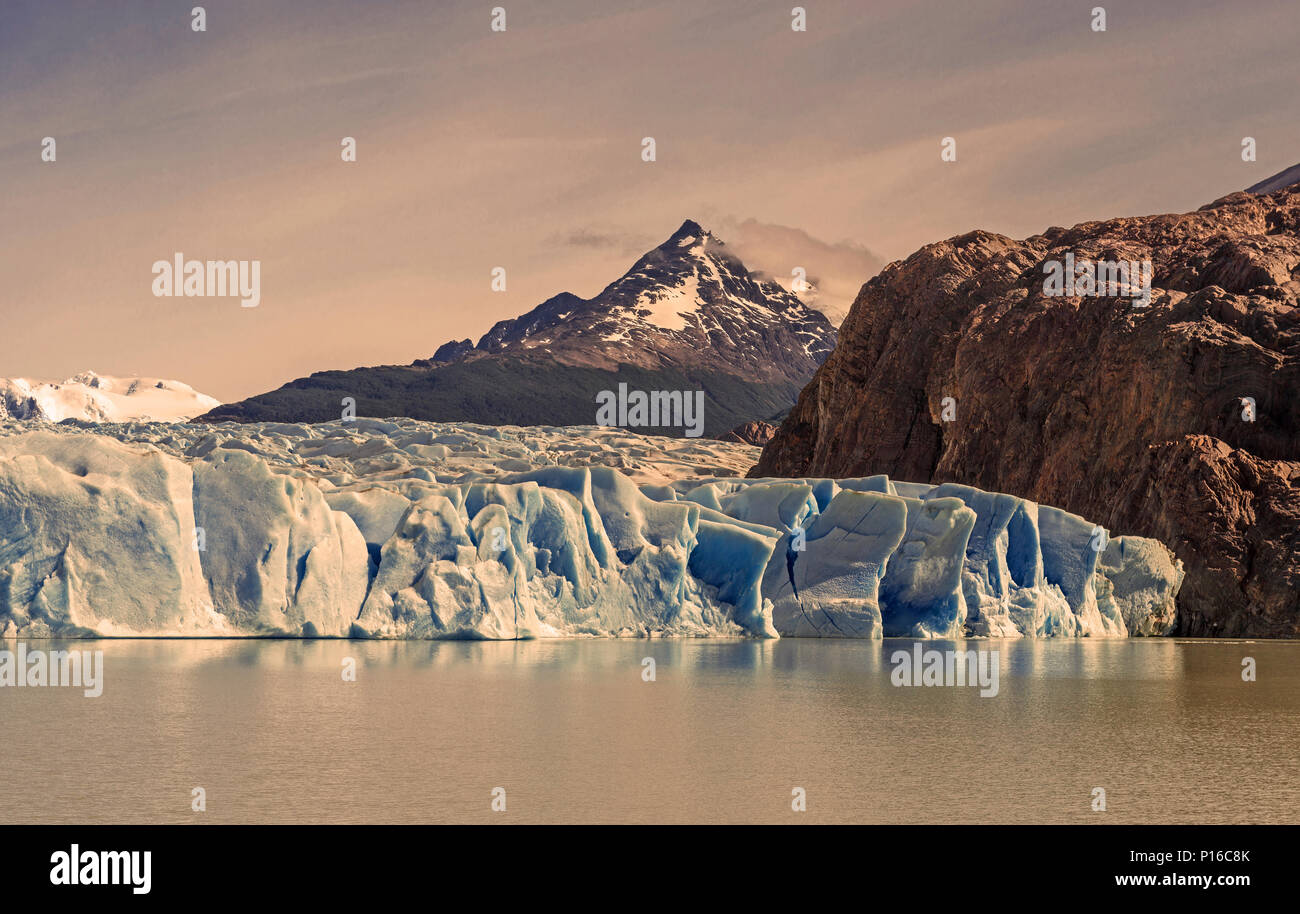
point(275, 734)
point(1127, 659)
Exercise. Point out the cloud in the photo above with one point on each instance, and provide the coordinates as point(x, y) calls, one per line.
point(835, 271)
point(614, 240)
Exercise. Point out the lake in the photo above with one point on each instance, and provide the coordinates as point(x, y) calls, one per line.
point(726, 732)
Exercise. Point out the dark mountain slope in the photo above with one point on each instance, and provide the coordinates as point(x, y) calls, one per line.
point(687, 316)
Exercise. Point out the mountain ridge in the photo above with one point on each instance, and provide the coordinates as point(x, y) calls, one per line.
point(1283, 179)
point(687, 292)
point(686, 315)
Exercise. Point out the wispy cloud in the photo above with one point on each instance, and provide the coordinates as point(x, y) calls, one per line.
point(522, 150)
point(619, 241)
point(835, 271)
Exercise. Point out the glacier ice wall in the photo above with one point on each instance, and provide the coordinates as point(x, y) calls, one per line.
point(405, 529)
point(873, 557)
point(824, 580)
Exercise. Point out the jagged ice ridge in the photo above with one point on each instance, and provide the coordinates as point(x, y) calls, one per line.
point(410, 529)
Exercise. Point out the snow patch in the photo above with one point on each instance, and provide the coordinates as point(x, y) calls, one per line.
point(99, 398)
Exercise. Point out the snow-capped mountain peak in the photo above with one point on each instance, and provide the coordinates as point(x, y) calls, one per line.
point(687, 315)
point(100, 398)
point(686, 300)
point(1284, 178)
point(686, 274)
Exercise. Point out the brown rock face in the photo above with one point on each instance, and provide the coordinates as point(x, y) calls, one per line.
point(1132, 417)
point(757, 433)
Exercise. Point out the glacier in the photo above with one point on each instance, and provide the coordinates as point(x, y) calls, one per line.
point(418, 530)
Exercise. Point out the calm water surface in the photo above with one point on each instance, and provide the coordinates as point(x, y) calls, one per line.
point(725, 732)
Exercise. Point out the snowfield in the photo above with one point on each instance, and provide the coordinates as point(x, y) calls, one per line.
point(409, 529)
point(100, 398)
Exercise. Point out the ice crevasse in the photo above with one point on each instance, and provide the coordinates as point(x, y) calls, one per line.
point(404, 529)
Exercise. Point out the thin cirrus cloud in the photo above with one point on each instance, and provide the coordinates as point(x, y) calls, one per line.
point(835, 271)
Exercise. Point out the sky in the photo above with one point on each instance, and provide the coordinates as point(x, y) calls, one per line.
point(522, 149)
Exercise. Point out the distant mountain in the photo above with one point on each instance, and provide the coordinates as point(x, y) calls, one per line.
point(1282, 179)
point(100, 398)
point(687, 316)
point(757, 433)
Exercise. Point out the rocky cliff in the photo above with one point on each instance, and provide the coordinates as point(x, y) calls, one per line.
point(1177, 419)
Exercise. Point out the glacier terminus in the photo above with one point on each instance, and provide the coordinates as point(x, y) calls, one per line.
point(417, 530)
